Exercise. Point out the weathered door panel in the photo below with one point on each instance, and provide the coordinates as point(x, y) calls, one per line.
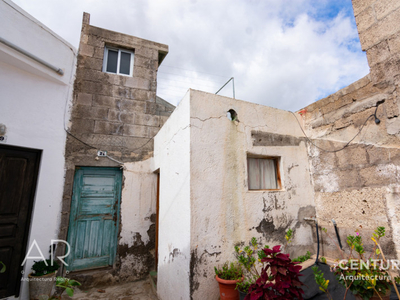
point(94, 217)
point(18, 176)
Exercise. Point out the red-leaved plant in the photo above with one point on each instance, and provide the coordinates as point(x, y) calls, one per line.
point(279, 278)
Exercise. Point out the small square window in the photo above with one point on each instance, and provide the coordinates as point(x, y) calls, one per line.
point(263, 173)
point(118, 61)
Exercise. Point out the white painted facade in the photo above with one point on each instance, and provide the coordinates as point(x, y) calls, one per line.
point(206, 207)
point(34, 107)
point(172, 159)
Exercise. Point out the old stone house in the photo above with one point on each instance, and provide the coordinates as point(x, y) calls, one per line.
point(109, 208)
point(344, 166)
point(210, 181)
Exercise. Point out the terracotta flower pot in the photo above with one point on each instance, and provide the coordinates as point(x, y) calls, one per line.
point(227, 289)
point(41, 285)
point(376, 297)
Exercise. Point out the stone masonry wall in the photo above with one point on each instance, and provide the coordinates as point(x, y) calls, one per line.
point(359, 185)
point(119, 114)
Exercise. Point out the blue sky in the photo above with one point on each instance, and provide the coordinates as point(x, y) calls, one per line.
point(282, 53)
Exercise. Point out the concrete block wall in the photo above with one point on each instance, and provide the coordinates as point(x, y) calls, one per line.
point(359, 185)
point(115, 112)
point(121, 115)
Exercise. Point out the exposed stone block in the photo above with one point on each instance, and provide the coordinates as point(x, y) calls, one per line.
point(324, 161)
point(352, 156)
point(380, 175)
point(386, 70)
point(360, 5)
point(378, 53)
point(135, 82)
point(348, 179)
point(394, 43)
point(108, 128)
point(99, 52)
point(163, 119)
point(89, 112)
point(84, 99)
point(148, 120)
point(99, 76)
point(385, 7)
point(136, 130)
point(95, 88)
point(121, 116)
point(86, 50)
point(152, 131)
point(147, 52)
point(82, 125)
point(91, 63)
point(365, 19)
point(151, 108)
point(138, 144)
point(95, 41)
point(380, 30)
point(391, 108)
point(144, 73)
point(105, 101)
point(378, 155)
point(145, 62)
point(105, 140)
point(132, 105)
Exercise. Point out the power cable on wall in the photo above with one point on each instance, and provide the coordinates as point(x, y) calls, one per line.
point(377, 121)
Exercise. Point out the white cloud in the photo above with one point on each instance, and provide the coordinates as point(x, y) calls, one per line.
point(279, 52)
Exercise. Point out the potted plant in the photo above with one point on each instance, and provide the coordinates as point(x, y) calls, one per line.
point(64, 284)
point(227, 276)
point(42, 278)
point(279, 278)
point(367, 277)
point(243, 286)
point(250, 258)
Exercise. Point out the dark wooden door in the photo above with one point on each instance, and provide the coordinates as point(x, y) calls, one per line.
point(18, 176)
point(94, 218)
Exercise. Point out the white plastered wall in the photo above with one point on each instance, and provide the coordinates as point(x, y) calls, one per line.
point(34, 100)
point(172, 159)
point(223, 211)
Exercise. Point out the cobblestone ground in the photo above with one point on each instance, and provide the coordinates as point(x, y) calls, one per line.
point(139, 290)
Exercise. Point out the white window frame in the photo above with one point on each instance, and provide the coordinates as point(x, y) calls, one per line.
point(105, 60)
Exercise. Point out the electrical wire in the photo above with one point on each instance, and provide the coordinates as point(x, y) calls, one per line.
point(337, 150)
point(194, 71)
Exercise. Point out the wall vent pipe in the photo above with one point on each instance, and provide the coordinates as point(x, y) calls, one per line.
point(30, 55)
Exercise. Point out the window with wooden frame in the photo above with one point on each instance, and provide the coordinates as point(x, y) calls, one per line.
point(118, 61)
point(263, 173)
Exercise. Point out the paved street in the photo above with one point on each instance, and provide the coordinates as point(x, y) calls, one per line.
point(139, 290)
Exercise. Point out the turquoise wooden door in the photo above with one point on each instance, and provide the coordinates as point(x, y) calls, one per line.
point(94, 217)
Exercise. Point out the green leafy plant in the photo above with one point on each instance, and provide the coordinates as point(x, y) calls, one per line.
point(42, 267)
point(65, 284)
point(279, 278)
point(323, 260)
point(245, 284)
point(361, 274)
point(229, 271)
point(250, 257)
point(302, 258)
point(2, 267)
point(321, 281)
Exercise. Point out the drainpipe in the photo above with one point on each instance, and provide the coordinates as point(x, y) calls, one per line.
point(30, 55)
point(337, 234)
